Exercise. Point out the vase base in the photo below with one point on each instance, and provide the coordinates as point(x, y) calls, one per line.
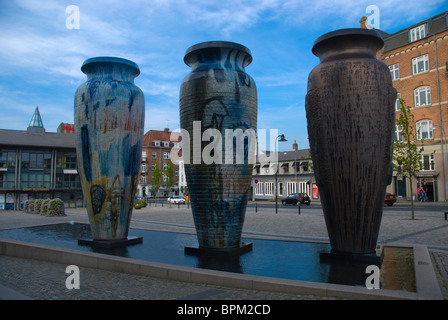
point(339, 257)
point(110, 244)
point(243, 248)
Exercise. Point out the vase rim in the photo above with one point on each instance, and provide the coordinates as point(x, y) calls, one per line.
point(217, 44)
point(349, 32)
point(106, 59)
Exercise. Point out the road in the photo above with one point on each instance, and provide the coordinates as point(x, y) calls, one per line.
point(421, 208)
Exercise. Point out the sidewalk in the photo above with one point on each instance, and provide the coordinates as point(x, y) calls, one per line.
point(45, 280)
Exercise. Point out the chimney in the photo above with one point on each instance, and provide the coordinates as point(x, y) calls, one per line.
point(363, 22)
point(166, 130)
point(295, 146)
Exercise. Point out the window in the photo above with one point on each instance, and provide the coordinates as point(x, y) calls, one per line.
point(398, 135)
point(36, 180)
point(394, 72)
point(422, 96)
point(153, 166)
point(424, 129)
point(427, 162)
point(154, 155)
point(259, 188)
point(7, 180)
point(417, 33)
point(420, 64)
point(69, 160)
point(157, 143)
point(7, 159)
point(397, 102)
point(166, 144)
point(166, 155)
point(38, 160)
point(269, 188)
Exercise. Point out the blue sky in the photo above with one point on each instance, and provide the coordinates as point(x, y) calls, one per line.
point(41, 58)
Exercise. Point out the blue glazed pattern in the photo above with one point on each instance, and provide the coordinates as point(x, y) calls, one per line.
point(109, 124)
point(221, 95)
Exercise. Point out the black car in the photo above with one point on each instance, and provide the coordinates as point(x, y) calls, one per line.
point(293, 198)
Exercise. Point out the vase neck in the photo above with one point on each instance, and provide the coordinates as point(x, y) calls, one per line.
point(218, 55)
point(348, 43)
point(347, 53)
point(107, 69)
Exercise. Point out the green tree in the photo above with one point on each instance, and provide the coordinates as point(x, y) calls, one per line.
point(156, 179)
point(408, 151)
point(169, 174)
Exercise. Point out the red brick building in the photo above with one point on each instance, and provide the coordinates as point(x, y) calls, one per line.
point(418, 60)
point(156, 150)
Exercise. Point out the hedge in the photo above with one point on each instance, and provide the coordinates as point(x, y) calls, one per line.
point(47, 207)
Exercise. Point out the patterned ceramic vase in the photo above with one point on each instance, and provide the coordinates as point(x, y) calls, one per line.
point(109, 124)
point(350, 113)
point(217, 95)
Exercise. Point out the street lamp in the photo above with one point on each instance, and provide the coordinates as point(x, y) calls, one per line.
point(282, 139)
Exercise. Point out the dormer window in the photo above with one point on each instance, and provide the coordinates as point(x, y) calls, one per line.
point(157, 143)
point(417, 33)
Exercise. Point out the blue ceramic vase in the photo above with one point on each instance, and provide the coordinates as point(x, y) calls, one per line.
point(109, 124)
point(217, 95)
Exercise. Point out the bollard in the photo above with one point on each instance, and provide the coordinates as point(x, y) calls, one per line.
point(298, 207)
point(256, 209)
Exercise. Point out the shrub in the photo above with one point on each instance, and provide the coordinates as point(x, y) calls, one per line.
point(26, 208)
point(44, 209)
point(37, 206)
point(56, 207)
point(31, 206)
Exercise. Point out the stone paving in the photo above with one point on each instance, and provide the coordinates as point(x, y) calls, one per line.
point(45, 280)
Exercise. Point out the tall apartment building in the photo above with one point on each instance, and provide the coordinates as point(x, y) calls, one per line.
point(418, 61)
point(156, 151)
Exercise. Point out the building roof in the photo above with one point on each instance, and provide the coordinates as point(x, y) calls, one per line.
point(14, 138)
point(155, 135)
point(36, 120)
point(295, 155)
point(435, 25)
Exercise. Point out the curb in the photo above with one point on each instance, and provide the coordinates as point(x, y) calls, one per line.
point(211, 277)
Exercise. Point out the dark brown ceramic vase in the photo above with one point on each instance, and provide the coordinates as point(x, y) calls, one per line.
point(350, 114)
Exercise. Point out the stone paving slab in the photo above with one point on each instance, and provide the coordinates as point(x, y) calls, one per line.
point(430, 230)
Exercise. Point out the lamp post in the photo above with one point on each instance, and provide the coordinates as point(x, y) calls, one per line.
point(443, 161)
point(282, 139)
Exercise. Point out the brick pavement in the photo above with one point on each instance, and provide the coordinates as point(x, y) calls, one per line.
point(42, 280)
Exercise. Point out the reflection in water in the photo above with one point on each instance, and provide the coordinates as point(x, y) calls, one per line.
point(397, 270)
point(220, 263)
point(270, 258)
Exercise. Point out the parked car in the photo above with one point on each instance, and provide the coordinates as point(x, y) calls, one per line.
point(176, 200)
point(390, 199)
point(294, 198)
